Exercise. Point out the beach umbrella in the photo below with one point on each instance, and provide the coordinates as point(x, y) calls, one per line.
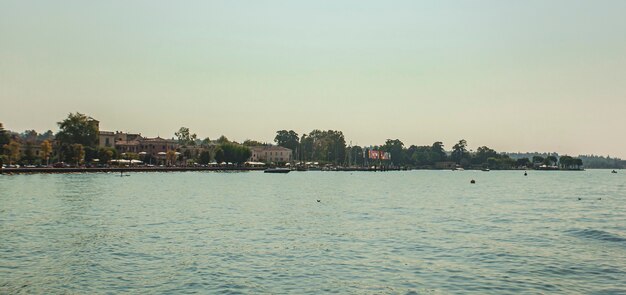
point(162, 153)
point(143, 153)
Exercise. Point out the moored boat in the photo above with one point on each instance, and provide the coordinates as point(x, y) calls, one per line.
point(277, 170)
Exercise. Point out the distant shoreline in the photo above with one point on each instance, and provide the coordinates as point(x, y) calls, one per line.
point(209, 169)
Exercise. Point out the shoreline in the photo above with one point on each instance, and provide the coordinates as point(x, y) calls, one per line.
point(48, 170)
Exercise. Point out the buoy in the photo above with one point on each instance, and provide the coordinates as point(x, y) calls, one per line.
point(579, 198)
point(473, 181)
point(319, 201)
point(525, 174)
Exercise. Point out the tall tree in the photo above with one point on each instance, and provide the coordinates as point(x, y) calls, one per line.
point(565, 162)
point(396, 148)
point(171, 157)
point(523, 162)
point(222, 140)
point(78, 153)
point(106, 154)
point(438, 153)
point(205, 157)
point(78, 129)
point(288, 139)
point(551, 160)
point(459, 151)
point(13, 148)
point(29, 136)
point(235, 153)
point(185, 137)
point(482, 154)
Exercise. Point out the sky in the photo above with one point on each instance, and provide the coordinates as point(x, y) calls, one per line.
point(546, 76)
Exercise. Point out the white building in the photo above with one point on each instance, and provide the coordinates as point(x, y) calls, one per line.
point(269, 154)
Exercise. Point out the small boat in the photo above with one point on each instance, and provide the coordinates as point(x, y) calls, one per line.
point(613, 171)
point(486, 169)
point(277, 170)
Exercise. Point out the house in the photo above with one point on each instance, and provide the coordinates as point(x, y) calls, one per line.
point(154, 146)
point(270, 153)
point(106, 139)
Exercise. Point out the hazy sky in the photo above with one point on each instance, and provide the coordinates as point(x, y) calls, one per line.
point(512, 75)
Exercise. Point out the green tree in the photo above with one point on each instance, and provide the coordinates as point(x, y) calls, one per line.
point(551, 160)
point(249, 142)
point(423, 156)
point(578, 162)
point(459, 151)
point(523, 162)
point(77, 153)
point(205, 157)
point(326, 146)
point(78, 129)
point(13, 148)
point(48, 135)
point(219, 155)
point(566, 162)
point(438, 153)
point(106, 154)
point(29, 136)
point(288, 139)
point(235, 153)
point(305, 152)
point(29, 153)
point(222, 140)
point(396, 148)
point(538, 160)
point(355, 155)
point(482, 154)
point(492, 162)
point(185, 137)
point(171, 157)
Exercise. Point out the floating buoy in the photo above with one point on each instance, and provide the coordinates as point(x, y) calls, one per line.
point(525, 174)
point(319, 201)
point(579, 198)
point(473, 181)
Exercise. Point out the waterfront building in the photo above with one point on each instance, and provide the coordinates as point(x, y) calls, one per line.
point(127, 146)
point(271, 153)
point(106, 139)
point(154, 146)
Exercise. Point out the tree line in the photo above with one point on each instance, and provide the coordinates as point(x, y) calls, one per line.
point(77, 142)
point(330, 147)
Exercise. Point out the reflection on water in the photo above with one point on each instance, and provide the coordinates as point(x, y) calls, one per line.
point(396, 232)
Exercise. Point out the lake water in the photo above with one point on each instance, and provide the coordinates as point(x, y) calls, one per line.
point(410, 232)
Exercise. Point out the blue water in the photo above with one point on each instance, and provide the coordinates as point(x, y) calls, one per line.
point(415, 232)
